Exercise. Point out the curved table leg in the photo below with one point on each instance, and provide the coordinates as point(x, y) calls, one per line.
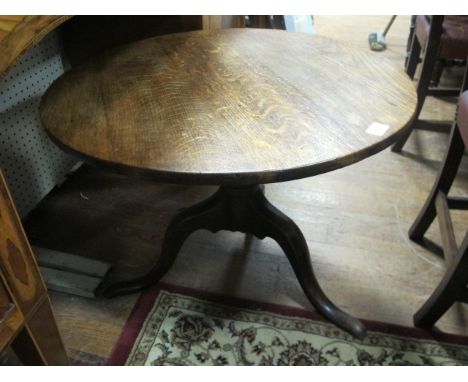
point(205, 213)
point(287, 234)
point(243, 209)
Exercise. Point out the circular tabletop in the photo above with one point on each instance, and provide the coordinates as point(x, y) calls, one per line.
point(234, 106)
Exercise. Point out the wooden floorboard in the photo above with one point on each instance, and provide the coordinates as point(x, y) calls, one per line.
point(355, 221)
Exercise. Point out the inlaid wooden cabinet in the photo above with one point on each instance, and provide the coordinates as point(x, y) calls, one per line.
point(26, 318)
point(11, 318)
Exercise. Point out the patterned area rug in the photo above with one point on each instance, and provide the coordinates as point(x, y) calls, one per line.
point(178, 326)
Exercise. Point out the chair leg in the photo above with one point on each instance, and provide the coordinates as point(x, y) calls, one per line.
point(430, 59)
point(437, 74)
point(444, 180)
point(410, 38)
point(447, 292)
point(422, 89)
point(413, 58)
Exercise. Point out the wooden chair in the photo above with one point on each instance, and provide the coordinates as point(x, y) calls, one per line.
point(444, 41)
point(453, 286)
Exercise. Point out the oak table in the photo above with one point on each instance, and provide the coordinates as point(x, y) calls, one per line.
point(236, 108)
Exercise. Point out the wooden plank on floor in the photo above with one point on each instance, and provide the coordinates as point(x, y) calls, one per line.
point(71, 283)
point(71, 263)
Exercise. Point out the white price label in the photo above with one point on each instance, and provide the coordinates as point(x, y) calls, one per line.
point(378, 129)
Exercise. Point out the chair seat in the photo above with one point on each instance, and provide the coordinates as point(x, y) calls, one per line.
point(454, 39)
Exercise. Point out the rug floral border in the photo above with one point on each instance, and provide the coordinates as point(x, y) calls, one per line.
point(148, 299)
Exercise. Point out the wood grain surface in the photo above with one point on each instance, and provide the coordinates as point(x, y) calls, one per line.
point(27, 318)
point(19, 33)
point(17, 263)
point(11, 318)
point(231, 106)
